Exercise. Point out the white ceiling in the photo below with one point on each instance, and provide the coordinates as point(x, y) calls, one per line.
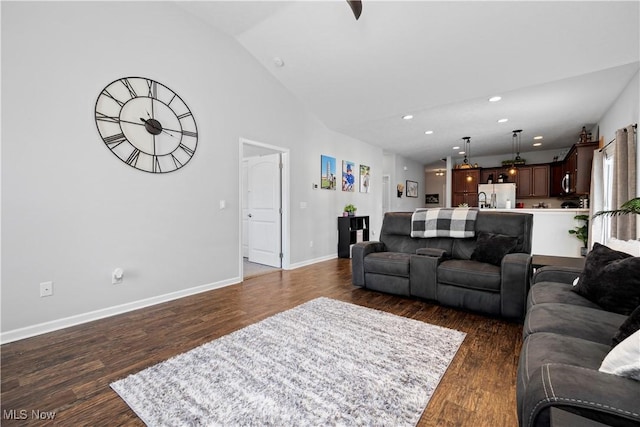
point(557, 65)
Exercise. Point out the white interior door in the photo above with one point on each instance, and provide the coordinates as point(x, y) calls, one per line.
point(245, 209)
point(386, 193)
point(264, 209)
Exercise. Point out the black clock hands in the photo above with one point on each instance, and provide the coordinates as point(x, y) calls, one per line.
point(155, 128)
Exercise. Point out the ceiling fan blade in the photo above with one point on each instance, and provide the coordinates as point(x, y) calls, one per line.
point(356, 7)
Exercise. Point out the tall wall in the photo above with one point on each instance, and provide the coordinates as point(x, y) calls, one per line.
point(72, 212)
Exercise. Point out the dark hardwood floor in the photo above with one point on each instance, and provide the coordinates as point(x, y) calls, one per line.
point(69, 371)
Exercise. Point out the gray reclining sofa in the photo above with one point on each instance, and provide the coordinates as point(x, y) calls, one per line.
point(566, 339)
point(449, 270)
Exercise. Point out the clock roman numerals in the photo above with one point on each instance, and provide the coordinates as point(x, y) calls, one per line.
point(133, 157)
point(114, 140)
point(186, 149)
point(156, 165)
point(132, 91)
point(176, 162)
point(153, 89)
point(146, 125)
point(106, 93)
point(104, 118)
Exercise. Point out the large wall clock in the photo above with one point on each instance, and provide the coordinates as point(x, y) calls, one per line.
point(146, 125)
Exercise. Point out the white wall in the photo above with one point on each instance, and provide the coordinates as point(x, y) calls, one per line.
point(624, 111)
point(402, 169)
point(72, 212)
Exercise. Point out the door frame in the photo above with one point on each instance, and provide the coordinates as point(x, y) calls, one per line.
point(284, 200)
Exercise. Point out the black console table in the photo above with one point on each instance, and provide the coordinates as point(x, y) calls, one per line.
point(351, 229)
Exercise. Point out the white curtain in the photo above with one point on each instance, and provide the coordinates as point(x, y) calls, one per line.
point(623, 227)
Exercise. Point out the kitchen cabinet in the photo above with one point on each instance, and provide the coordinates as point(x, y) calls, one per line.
point(465, 187)
point(573, 175)
point(556, 173)
point(532, 181)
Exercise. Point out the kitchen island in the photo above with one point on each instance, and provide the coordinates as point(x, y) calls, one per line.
point(551, 230)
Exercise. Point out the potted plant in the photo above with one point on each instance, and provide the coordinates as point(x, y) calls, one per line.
point(350, 210)
point(629, 207)
point(582, 232)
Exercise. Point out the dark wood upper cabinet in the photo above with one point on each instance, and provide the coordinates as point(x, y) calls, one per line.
point(465, 187)
point(532, 181)
point(573, 175)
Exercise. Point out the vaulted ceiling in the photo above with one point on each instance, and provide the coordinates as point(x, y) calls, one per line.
point(557, 65)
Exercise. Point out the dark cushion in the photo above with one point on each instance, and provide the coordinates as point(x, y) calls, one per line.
point(546, 292)
point(587, 323)
point(470, 274)
point(392, 263)
point(611, 279)
point(491, 248)
point(627, 328)
point(545, 347)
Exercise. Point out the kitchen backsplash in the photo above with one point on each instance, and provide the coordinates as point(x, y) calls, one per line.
point(551, 203)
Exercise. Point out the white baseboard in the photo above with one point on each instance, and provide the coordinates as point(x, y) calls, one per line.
point(54, 325)
point(310, 261)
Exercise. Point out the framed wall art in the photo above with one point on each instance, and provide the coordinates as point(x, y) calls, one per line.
point(365, 178)
point(432, 199)
point(327, 172)
point(412, 189)
point(348, 177)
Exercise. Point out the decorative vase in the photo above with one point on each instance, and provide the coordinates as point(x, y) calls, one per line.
point(352, 214)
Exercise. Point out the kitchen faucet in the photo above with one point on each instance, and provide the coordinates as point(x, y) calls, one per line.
point(482, 202)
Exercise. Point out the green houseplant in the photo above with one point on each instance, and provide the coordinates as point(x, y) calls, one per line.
point(631, 206)
point(350, 209)
point(582, 232)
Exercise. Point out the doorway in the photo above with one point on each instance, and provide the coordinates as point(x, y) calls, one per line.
point(263, 213)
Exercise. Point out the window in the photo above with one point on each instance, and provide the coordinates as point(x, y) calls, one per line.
point(608, 191)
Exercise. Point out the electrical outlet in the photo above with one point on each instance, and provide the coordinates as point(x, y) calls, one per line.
point(46, 289)
point(311, 244)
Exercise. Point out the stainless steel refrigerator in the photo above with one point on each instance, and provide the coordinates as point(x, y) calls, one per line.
point(499, 195)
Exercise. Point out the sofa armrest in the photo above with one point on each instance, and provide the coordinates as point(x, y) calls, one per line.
point(423, 272)
point(358, 252)
point(433, 252)
point(556, 274)
point(515, 274)
point(609, 399)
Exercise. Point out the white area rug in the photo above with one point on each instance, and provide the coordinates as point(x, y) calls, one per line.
point(325, 362)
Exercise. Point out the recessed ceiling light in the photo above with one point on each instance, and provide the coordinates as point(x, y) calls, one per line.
point(456, 148)
point(537, 137)
point(460, 152)
point(503, 120)
point(495, 98)
point(537, 144)
point(428, 132)
point(407, 117)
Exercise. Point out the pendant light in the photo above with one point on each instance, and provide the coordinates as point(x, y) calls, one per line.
point(466, 163)
point(515, 147)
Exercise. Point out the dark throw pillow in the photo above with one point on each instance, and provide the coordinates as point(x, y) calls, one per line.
point(627, 328)
point(610, 279)
point(491, 248)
